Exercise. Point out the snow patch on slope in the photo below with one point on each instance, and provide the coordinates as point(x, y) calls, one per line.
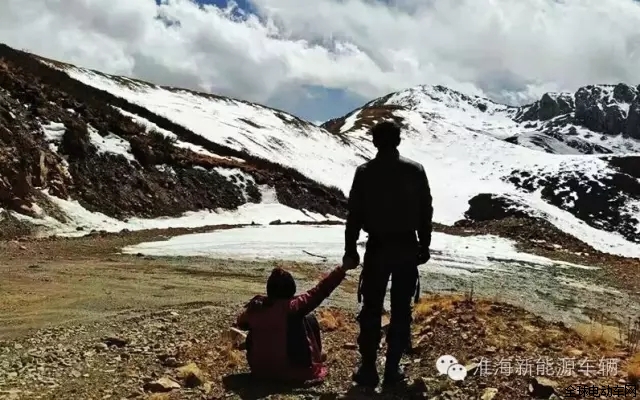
point(263, 132)
point(618, 144)
point(241, 179)
point(349, 122)
point(150, 126)
point(53, 132)
point(112, 144)
point(81, 221)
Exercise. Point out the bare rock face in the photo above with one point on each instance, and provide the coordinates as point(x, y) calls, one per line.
point(594, 115)
point(624, 93)
point(486, 207)
point(607, 109)
point(633, 120)
point(549, 107)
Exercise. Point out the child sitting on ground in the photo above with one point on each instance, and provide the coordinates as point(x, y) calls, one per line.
point(284, 336)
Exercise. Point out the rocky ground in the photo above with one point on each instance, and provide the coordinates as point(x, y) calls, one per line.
point(189, 352)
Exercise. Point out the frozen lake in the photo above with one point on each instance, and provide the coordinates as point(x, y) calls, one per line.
point(489, 264)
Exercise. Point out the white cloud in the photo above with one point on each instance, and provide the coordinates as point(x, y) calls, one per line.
point(509, 50)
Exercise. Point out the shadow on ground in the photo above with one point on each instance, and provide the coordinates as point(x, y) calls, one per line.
point(249, 388)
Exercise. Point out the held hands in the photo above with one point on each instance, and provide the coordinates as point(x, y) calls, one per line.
point(350, 261)
point(423, 255)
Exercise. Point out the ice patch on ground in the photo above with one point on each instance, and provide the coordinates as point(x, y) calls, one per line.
point(294, 243)
point(587, 286)
point(488, 265)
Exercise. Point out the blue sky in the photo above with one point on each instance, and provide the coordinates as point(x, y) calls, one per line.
point(319, 103)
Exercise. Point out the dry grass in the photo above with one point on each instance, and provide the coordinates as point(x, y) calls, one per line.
point(231, 355)
point(633, 369)
point(429, 304)
point(216, 358)
point(630, 335)
point(599, 334)
point(331, 319)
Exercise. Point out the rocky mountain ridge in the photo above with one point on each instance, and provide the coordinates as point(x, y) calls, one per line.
point(609, 109)
point(61, 138)
point(605, 111)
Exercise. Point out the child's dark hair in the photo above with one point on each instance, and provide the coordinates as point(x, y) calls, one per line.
point(280, 284)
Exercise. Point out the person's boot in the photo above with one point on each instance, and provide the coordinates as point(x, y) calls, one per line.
point(367, 374)
point(393, 373)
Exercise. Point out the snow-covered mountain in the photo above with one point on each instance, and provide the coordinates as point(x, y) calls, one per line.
point(107, 152)
point(73, 157)
point(597, 119)
point(472, 146)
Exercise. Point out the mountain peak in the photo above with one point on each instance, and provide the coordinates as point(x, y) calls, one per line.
point(595, 119)
point(426, 96)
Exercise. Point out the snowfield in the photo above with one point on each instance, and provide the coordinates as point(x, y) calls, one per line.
point(312, 243)
point(459, 139)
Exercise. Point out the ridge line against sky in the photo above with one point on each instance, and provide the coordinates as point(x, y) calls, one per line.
point(323, 61)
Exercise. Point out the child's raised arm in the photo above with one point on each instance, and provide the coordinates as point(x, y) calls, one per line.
point(307, 302)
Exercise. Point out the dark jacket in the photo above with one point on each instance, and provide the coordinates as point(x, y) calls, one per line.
point(389, 199)
point(280, 346)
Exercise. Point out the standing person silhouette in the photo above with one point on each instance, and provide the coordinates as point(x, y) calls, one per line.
point(390, 199)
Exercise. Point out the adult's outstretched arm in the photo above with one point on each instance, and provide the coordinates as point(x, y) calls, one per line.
point(355, 211)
